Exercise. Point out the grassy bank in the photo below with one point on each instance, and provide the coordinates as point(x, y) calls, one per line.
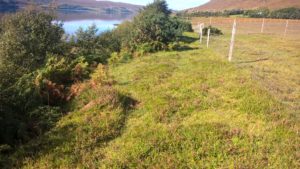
point(179, 109)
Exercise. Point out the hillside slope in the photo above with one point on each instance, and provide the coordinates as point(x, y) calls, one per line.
point(73, 4)
point(220, 5)
point(180, 109)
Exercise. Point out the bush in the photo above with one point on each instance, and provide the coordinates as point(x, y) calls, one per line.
point(182, 26)
point(286, 13)
point(27, 37)
point(44, 118)
point(124, 32)
point(94, 47)
point(100, 76)
point(174, 46)
point(213, 31)
point(258, 13)
point(152, 29)
point(121, 57)
point(54, 80)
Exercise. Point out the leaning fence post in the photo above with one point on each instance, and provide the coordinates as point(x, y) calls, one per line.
point(232, 41)
point(262, 26)
point(208, 36)
point(286, 27)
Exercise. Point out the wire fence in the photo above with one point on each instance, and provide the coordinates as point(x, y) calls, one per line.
point(269, 48)
point(281, 27)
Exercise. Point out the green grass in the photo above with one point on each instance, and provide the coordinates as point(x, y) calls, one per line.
point(179, 109)
point(273, 62)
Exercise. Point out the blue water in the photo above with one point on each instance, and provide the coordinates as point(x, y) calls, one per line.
point(71, 27)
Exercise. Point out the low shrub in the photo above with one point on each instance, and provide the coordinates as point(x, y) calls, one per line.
point(54, 80)
point(182, 25)
point(213, 31)
point(174, 46)
point(100, 76)
point(121, 57)
point(43, 118)
point(94, 47)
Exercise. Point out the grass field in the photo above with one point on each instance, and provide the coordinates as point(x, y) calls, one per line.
point(272, 59)
point(183, 109)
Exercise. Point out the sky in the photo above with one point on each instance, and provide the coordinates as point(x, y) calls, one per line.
point(173, 4)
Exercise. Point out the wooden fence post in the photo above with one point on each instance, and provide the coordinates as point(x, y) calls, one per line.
point(262, 26)
point(208, 37)
point(286, 27)
point(201, 32)
point(232, 41)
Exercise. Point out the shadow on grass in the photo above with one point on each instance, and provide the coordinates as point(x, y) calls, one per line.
point(253, 61)
point(187, 39)
point(184, 48)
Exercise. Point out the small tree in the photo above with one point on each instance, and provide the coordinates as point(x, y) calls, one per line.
point(95, 47)
point(27, 37)
point(153, 25)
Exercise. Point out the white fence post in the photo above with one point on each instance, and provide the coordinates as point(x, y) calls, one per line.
point(201, 32)
point(262, 26)
point(286, 27)
point(208, 36)
point(232, 41)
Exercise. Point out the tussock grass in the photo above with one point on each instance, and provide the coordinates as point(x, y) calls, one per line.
point(195, 110)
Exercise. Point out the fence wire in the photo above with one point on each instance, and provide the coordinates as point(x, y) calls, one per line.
point(254, 25)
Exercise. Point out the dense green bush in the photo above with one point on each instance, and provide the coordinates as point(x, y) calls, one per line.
point(124, 33)
point(43, 118)
point(25, 40)
point(152, 29)
point(27, 37)
point(213, 31)
point(95, 47)
point(152, 24)
point(287, 13)
point(181, 25)
point(257, 13)
point(54, 80)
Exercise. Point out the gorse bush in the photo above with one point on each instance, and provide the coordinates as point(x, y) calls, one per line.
point(213, 31)
point(152, 29)
point(94, 47)
point(27, 37)
point(182, 25)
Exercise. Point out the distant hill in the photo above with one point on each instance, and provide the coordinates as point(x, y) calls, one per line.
point(74, 5)
point(221, 5)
